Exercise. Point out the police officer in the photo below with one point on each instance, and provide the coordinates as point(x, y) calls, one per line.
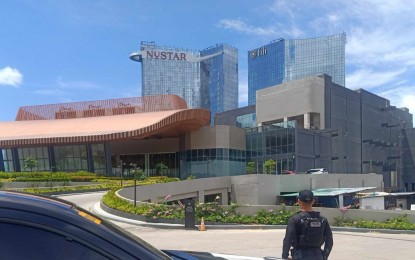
point(307, 231)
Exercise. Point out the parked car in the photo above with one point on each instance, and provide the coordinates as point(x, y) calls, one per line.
point(317, 171)
point(41, 227)
point(288, 172)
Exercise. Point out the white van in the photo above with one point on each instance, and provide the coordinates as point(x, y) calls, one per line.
point(317, 171)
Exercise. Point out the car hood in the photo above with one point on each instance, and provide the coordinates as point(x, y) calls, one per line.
point(192, 255)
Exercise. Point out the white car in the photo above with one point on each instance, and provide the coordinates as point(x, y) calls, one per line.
point(317, 171)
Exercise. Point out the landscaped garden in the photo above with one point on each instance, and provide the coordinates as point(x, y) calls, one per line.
point(61, 182)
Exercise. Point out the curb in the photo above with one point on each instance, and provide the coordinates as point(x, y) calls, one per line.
point(100, 209)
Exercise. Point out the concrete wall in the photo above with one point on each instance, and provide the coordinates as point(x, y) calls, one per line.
point(255, 189)
point(219, 136)
point(197, 189)
point(259, 191)
point(262, 189)
point(291, 99)
point(164, 145)
point(252, 189)
point(229, 117)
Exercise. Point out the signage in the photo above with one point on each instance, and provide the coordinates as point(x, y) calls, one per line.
point(258, 52)
point(170, 56)
point(164, 55)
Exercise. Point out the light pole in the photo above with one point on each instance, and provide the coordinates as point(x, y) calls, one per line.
point(135, 182)
point(207, 166)
point(122, 166)
point(52, 169)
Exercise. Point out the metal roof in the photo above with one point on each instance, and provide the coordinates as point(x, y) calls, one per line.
point(331, 191)
point(383, 194)
point(157, 124)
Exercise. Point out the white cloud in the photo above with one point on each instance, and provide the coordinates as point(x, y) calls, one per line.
point(10, 77)
point(409, 102)
point(369, 79)
point(283, 7)
point(278, 30)
point(401, 96)
point(80, 84)
point(241, 26)
point(243, 92)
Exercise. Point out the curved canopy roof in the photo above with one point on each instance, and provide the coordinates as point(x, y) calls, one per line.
point(103, 128)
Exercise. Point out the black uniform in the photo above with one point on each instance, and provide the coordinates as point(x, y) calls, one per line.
point(294, 232)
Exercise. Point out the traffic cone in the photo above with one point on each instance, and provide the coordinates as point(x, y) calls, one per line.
point(202, 225)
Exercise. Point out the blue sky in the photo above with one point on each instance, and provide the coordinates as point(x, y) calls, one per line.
point(77, 50)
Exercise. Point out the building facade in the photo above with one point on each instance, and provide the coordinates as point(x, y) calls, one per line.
point(286, 60)
point(110, 136)
point(315, 123)
point(301, 124)
point(204, 79)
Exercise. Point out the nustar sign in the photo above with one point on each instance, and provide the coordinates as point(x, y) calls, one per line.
point(171, 56)
point(164, 55)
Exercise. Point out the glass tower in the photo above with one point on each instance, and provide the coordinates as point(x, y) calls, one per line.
point(286, 60)
point(204, 79)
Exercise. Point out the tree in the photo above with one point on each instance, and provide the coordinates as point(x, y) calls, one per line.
point(270, 166)
point(138, 172)
point(30, 163)
point(250, 167)
point(160, 168)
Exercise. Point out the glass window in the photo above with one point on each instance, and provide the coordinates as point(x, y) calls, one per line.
point(7, 160)
point(37, 154)
point(41, 243)
point(98, 157)
point(71, 158)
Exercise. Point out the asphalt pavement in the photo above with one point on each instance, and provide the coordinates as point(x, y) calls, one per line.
point(266, 243)
point(254, 240)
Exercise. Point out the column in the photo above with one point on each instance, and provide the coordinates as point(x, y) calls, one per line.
point(307, 120)
point(147, 165)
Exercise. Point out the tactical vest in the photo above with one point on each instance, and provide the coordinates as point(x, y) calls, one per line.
point(312, 232)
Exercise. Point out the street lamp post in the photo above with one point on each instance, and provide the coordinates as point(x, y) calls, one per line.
point(207, 166)
point(135, 182)
point(52, 168)
point(122, 166)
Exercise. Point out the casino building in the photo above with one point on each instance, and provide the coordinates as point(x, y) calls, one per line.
point(107, 136)
point(301, 124)
point(285, 60)
point(204, 79)
point(315, 123)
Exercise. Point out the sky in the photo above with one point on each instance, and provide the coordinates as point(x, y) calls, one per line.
point(78, 50)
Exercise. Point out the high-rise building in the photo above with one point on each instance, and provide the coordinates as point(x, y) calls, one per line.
point(204, 79)
point(286, 60)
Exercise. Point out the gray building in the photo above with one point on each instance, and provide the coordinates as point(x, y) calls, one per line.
point(315, 123)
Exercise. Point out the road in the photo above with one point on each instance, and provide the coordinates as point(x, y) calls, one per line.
point(262, 243)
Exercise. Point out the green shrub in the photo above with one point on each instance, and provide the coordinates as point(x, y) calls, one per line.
point(37, 176)
point(5, 175)
point(211, 211)
point(398, 223)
